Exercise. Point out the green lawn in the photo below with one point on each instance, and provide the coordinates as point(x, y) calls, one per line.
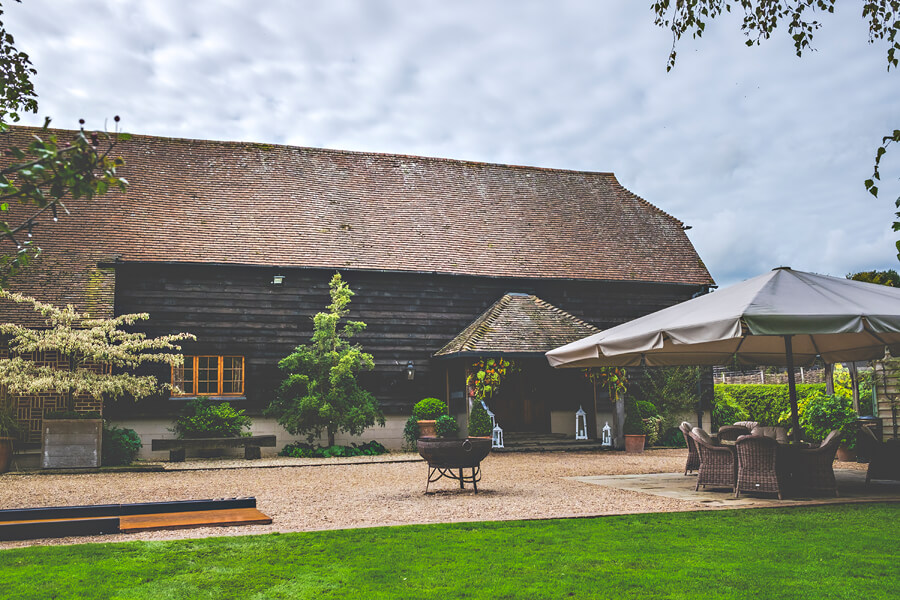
point(821, 553)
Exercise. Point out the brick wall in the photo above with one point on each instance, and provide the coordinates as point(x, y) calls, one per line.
point(31, 408)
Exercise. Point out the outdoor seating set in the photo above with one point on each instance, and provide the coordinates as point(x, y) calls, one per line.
point(747, 458)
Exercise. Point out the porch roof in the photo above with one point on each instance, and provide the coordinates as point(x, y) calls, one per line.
point(517, 325)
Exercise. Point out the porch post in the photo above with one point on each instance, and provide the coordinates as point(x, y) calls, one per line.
point(618, 422)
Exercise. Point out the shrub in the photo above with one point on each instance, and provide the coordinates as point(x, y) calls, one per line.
point(633, 423)
point(446, 426)
point(726, 410)
point(479, 422)
point(764, 403)
point(9, 424)
point(429, 409)
point(647, 409)
point(202, 418)
point(302, 450)
point(651, 427)
point(672, 390)
point(819, 414)
point(672, 438)
point(120, 446)
point(410, 433)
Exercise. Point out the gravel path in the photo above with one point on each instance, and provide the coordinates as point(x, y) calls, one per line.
point(346, 493)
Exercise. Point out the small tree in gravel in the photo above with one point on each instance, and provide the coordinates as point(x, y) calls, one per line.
point(321, 391)
point(96, 354)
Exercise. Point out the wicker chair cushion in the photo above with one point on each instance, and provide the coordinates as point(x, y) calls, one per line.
point(748, 424)
point(704, 436)
point(779, 434)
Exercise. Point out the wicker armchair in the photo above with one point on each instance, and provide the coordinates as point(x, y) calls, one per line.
point(693, 457)
point(758, 466)
point(813, 468)
point(884, 457)
point(729, 433)
point(718, 465)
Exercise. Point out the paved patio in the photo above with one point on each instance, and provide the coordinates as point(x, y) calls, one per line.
point(851, 487)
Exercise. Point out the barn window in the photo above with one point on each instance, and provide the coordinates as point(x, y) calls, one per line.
point(209, 376)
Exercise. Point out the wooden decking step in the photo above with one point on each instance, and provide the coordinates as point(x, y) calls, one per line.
point(67, 521)
point(192, 519)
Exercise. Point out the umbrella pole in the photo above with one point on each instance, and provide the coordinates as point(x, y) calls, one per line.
point(792, 389)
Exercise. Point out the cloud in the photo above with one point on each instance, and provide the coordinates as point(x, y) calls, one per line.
point(763, 153)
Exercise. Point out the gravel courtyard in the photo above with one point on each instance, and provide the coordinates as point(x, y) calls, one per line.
point(350, 493)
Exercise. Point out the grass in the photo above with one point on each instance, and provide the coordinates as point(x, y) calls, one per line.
point(830, 552)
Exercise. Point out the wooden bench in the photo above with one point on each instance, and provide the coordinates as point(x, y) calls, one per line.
point(178, 447)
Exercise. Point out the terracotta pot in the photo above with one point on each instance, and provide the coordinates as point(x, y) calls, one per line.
point(454, 453)
point(634, 444)
point(426, 428)
point(845, 454)
point(6, 453)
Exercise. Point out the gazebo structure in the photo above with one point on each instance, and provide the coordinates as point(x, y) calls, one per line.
point(534, 397)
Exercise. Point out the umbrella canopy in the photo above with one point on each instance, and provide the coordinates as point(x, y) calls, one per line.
point(783, 317)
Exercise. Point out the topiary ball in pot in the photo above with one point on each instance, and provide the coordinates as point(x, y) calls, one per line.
point(429, 409)
point(426, 411)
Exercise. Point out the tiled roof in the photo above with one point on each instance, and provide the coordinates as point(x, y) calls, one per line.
point(518, 324)
point(259, 204)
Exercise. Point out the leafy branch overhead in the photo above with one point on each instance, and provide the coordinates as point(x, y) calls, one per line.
point(94, 354)
point(47, 170)
point(762, 18)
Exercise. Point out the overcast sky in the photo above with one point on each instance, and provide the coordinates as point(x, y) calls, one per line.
point(762, 153)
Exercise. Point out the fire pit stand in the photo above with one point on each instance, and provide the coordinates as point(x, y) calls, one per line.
point(452, 457)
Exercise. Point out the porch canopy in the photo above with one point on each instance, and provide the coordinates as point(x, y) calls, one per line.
point(781, 318)
point(517, 325)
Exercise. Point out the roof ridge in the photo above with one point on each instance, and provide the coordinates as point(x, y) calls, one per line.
point(544, 304)
point(486, 317)
point(263, 145)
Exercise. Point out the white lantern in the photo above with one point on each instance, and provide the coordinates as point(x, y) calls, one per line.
point(607, 435)
point(490, 414)
point(581, 424)
point(497, 437)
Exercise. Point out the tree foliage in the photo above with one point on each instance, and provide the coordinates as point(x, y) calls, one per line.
point(321, 391)
point(47, 170)
point(97, 354)
point(761, 20)
point(672, 390)
point(889, 278)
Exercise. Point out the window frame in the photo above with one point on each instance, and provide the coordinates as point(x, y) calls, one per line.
point(220, 370)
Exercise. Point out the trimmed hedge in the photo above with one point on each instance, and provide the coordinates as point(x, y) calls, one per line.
point(763, 403)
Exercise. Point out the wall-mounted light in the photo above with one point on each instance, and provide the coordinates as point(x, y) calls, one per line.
point(277, 279)
point(410, 371)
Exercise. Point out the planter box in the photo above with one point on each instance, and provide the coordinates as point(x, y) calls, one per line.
point(71, 443)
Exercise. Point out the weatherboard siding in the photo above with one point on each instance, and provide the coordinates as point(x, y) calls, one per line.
point(409, 316)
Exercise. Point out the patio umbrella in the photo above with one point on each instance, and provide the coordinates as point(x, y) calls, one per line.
point(782, 318)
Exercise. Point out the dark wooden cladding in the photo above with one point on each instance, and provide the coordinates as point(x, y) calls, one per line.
point(236, 310)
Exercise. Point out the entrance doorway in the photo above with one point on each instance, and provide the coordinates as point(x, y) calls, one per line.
point(521, 403)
